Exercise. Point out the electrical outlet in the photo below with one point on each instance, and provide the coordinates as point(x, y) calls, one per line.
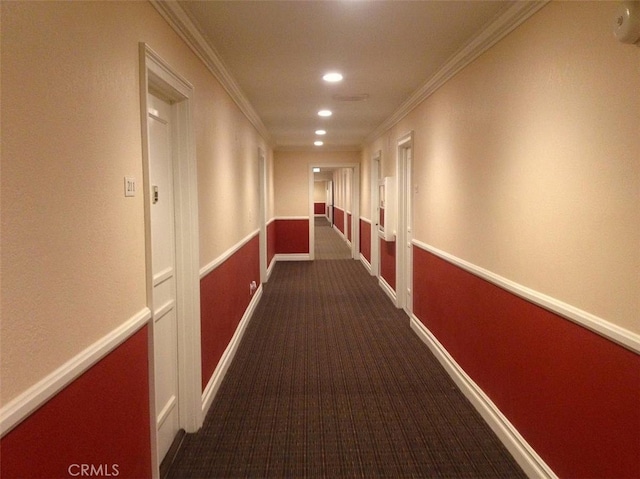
point(252, 287)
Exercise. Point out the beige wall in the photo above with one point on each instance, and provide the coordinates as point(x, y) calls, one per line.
point(291, 177)
point(342, 178)
point(73, 266)
point(320, 191)
point(528, 161)
point(228, 173)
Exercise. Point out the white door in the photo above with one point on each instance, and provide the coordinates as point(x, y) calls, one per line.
point(330, 201)
point(327, 200)
point(345, 203)
point(408, 225)
point(163, 247)
point(262, 188)
point(376, 176)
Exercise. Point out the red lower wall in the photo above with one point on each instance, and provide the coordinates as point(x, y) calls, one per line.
point(349, 227)
point(292, 236)
point(101, 419)
point(338, 219)
point(224, 298)
point(319, 208)
point(271, 242)
point(365, 240)
point(388, 262)
point(572, 394)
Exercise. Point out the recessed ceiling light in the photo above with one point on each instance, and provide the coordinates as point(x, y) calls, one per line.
point(321, 132)
point(332, 77)
point(325, 113)
point(316, 169)
point(318, 143)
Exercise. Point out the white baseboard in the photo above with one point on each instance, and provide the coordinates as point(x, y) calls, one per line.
point(365, 263)
point(388, 289)
point(343, 237)
point(270, 268)
point(213, 385)
point(522, 452)
point(292, 257)
point(19, 408)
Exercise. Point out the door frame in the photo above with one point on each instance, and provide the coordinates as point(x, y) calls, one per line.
point(330, 200)
point(262, 188)
point(158, 77)
point(376, 167)
point(404, 270)
point(345, 225)
point(355, 206)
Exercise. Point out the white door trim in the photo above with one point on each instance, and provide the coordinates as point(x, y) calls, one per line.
point(158, 77)
point(403, 272)
point(355, 207)
point(376, 166)
point(262, 168)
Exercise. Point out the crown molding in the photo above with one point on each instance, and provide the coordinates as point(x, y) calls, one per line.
point(173, 13)
point(176, 17)
point(500, 27)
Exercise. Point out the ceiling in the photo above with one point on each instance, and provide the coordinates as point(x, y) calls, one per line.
point(277, 51)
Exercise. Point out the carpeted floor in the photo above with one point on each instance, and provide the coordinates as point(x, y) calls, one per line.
point(328, 243)
point(330, 381)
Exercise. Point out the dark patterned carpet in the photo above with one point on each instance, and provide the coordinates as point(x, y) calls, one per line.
point(330, 381)
point(328, 243)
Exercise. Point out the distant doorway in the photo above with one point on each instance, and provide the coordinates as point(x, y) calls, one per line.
point(350, 210)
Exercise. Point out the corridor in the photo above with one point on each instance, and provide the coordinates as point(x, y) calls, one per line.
point(161, 269)
point(330, 381)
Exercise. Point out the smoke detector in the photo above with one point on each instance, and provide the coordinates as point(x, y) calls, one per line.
point(626, 22)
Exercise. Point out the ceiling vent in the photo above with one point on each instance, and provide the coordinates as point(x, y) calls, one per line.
point(362, 97)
